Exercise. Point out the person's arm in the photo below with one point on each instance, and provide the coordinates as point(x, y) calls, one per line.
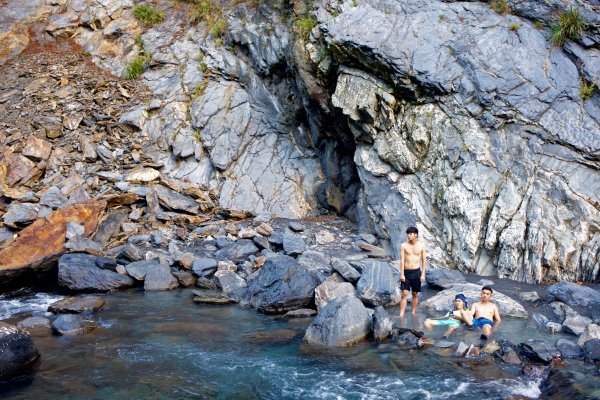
point(472, 310)
point(424, 263)
point(497, 319)
point(439, 318)
point(402, 263)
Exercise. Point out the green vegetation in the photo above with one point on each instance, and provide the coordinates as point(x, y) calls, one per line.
point(203, 67)
point(539, 24)
point(354, 3)
point(139, 43)
point(500, 6)
point(205, 10)
point(514, 26)
point(586, 90)
point(442, 17)
point(148, 15)
point(219, 27)
point(136, 68)
point(569, 26)
point(197, 135)
point(200, 89)
point(304, 26)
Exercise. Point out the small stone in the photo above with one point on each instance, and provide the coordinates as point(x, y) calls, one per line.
point(74, 229)
point(264, 229)
point(142, 175)
point(553, 327)
point(529, 296)
point(296, 226)
point(324, 237)
point(37, 149)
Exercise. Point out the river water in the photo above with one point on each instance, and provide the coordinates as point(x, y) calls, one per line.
point(160, 345)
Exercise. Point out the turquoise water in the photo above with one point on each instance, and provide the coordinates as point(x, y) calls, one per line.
point(159, 345)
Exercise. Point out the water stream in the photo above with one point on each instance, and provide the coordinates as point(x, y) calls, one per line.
point(160, 345)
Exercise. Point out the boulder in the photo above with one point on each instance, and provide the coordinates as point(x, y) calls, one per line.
point(204, 266)
point(553, 327)
point(443, 278)
point(591, 350)
point(538, 320)
point(382, 323)
point(17, 351)
point(206, 283)
point(316, 262)
point(331, 288)
point(185, 278)
point(296, 226)
point(378, 284)
point(511, 357)
point(138, 269)
point(345, 269)
point(443, 300)
point(529, 296)
point(79, 272)
point(300, 313)
point(159, 277)
point(342, 322)
point(20, 214)
point(585, 299)
point(231, 284)
point(237, 251)
point(592, 331)
point(42, 242)
point(575, 325)
point(77, 305)
point(293, 244)
point(72, 325)
point(281, 285)
point(212, 298)
point(563, 311)
point(176, 201)
point(537, 351)
point(568, 348)
point(36, 326)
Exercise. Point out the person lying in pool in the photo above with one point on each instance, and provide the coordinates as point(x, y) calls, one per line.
point(485, 314)
point(453, 318)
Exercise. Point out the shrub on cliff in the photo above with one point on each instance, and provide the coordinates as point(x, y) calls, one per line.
point(148, 15)
point(570, 25)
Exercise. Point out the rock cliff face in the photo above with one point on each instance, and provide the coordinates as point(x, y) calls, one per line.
point(447, 115)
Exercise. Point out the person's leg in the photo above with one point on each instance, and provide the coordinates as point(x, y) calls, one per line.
point(449, 331)
point(415, 302)
point(403, 300)
point(486, 329)
point(428, 324)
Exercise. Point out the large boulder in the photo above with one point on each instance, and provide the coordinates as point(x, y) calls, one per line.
point(382, 323)
point(443, 300)
point(345, 269)
point(331, 288)
point(568, 348)
point(79, 272)
point(231, 284)
point(138, 269)
point(316, 262)
point(378, 284)
point(538, 351)
point(342, 322)
point(159, 277)
point(204, 266)
point(237, 251)
point(443, 278)
point(17, 350)
point(281, 285)
point(584, 299)
point(575, 325)
point(592, 331)
point(591, 350)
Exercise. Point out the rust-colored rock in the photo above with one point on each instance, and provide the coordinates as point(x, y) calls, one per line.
point(44, 240)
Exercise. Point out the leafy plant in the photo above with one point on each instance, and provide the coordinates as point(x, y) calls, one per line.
point(304, 26)
point(500, 6)
point(148, 15)
point(135, 69)
point(586, 90)
point(539, 24)
point(219, 27)
point(514, 26)
point(569, 26)
point(139, 42)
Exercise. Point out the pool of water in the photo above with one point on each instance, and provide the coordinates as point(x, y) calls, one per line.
point(160, 345)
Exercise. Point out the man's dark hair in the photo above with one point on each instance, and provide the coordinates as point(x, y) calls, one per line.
point(412, 229)
point(487, 288)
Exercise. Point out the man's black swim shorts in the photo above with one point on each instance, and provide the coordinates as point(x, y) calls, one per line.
point(412, 280)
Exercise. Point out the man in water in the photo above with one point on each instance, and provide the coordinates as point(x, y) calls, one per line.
point(485, 314)
point(412, 269)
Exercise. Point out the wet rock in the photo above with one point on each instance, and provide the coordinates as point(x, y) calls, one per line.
point(300, 313)
point(77, 305)
point(511, 357)
point(185, 278)
point(17, 351)
point(212, 298)
point(506, 305)
point(72, 325)
point(43, 240)
point(204, 266)
point(316, 262)
point(378, 284)
point(281, 285)
point(539, 320)
point(568, 348)
point(206, 283)
point(560, 383)
point(159, 277)
point(537, 351)
point(462, 349)
point(37, 149)
point(342, 322)
point(19, 214)
point(382, 323)
point(138, 269)
point(79, 272)
point(293, 244)
point(443, 278)
point(333, 287)
point(36, 326)
point(237, 251)
point(231, 284)
point(553, 327)
point(575, 325)
point(345, 269)
point(592, 331)
point(591, 350)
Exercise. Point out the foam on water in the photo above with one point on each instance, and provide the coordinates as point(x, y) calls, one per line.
point(31, 304)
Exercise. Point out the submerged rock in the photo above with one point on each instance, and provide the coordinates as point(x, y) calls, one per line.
point(77, 305)
point(36, 326)
point(72, 325)
point(17, 351)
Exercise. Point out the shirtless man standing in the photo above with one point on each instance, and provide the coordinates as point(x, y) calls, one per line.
point(412, 258)
point(485, 313)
